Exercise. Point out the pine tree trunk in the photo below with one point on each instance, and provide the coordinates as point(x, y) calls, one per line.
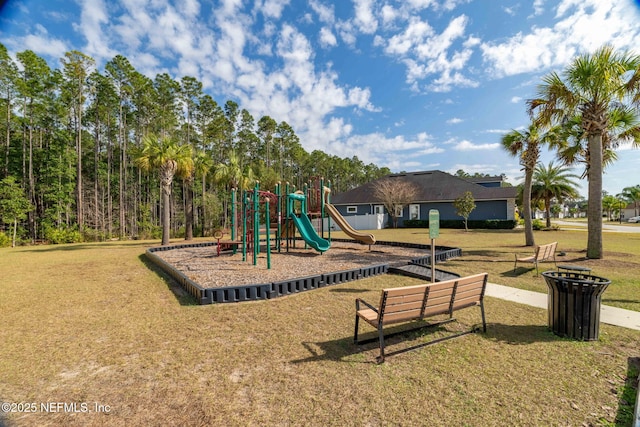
point(79, 199)
point(8, 136)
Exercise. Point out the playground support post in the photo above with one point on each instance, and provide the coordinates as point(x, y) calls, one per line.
point(279, 216)
point(256, 223)
point(244, 225)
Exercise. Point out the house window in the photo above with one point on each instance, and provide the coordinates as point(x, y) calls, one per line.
point(414, 211)
point(352, 209)
point(378, 209)
point(399, 211)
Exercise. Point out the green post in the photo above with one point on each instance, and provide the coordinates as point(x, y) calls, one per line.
point(256, 223)
point(279, 216)
point(234, 224)
point(321, 195)
point(328, 201)
point(304, 206)
point(434, 231)
point(287, 212)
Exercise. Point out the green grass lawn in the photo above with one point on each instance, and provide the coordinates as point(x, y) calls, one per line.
point(96, 324)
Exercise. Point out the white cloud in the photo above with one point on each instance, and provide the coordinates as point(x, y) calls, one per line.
point(364, 17)
point(380, 149)
point(388, 14)
point(516, 99)
point(41, 43)
point(92, 18)
point(549, 47)
point(538, 7)
point(272, 8)
point(454, 120)
point(465, 145)
point(325, 13)
point(347, 32)
point(428, 54)
point(190, 8)
point(498, 131)
point(327, 38)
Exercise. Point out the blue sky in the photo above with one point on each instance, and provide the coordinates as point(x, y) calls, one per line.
point(409, 84)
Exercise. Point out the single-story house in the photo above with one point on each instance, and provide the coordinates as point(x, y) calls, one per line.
point(436, 190)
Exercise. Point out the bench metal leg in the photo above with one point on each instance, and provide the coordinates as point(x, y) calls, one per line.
point(355, 332)
point(484, 322)
point(380, 358)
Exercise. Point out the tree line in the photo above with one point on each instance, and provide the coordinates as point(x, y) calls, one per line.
point(72, 139)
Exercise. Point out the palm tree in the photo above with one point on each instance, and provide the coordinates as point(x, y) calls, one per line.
point(553, 182)
point(170, 158)
point(610, 204)
point(526, 145)
point(595, 91)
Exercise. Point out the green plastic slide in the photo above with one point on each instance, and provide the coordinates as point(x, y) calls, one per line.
point(306, 230)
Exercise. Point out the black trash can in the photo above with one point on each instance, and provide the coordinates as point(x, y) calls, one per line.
point(574, 304)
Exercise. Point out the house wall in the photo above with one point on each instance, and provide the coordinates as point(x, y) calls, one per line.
point(484, 210)
point(361, 210)
point(497, 209)
point(628, 213)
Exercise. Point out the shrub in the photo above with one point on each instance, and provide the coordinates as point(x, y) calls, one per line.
point(62, 235)
point(5, 241)
point(537, 224)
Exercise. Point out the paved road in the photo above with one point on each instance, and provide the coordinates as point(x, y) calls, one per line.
point(631, 228)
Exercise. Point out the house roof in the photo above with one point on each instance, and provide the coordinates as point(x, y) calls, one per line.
point(486, 179)
point(434, 186)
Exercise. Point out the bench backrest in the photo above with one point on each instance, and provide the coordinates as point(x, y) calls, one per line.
point(545, 251)
point(420, 301)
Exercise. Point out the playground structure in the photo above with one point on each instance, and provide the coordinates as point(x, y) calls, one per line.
point(263, 216)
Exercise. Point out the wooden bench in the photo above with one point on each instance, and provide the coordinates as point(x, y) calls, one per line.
point(415, 303)
point(543, 253)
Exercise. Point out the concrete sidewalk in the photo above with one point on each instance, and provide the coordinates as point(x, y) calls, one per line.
point(609, 315)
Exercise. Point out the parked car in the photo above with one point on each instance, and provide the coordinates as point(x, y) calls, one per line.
point(634, 219)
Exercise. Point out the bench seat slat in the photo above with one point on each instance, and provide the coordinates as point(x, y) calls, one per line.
point(401, 316)
point(368, 315)
point(403, 306)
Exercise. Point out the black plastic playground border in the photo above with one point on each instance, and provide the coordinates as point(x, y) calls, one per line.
point(289, 286)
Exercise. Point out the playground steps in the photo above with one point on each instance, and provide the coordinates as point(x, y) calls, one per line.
point(422, 272)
